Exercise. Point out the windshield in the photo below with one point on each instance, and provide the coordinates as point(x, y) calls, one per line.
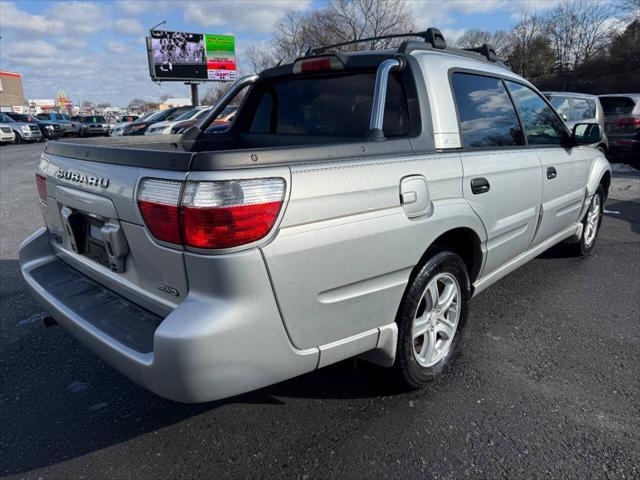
point(157, 115)
point(19, 117)
point(189, 114)
point(617, 105)
point(61, 116)
point(94, 119)
point(338, 106)
point(175, 114)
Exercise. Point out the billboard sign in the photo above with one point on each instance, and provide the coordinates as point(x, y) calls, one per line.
point(191, 56)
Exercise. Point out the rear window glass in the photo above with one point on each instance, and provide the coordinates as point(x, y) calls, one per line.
point(617, 105)
point(338, 106)
point(487, 116)
point(583, 109)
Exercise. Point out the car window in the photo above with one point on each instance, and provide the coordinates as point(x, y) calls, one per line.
point(338, 106)
point(561, 104)
point(486, 114)
point(583, 109)
point(94, 119)
point(188, 114)
point(42, 116)
point(617, 105)
point(541, 124)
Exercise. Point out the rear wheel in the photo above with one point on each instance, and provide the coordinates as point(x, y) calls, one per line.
point(590, 224)
point(431, 317)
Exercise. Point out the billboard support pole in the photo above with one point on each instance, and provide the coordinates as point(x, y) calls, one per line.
point(194, 94)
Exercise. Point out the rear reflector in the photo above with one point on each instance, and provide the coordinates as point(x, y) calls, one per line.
point(158, 201)
point(318, 64)
point(41, 182)
point(211, 214)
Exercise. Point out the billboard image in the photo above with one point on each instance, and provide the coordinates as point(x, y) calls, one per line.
point(191, 56)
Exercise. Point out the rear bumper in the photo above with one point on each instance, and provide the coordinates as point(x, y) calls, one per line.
point(222, 340)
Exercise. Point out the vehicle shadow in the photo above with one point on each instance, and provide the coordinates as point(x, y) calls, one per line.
point(61, 402)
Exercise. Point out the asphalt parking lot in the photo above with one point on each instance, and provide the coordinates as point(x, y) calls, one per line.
point(547, 385)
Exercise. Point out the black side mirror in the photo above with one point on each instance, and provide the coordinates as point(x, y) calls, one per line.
point(586, 133)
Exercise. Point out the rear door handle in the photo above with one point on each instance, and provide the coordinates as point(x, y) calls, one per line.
point(551, 173)
point(480, 185)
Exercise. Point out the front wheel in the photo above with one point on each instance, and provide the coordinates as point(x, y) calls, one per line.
point(431, 317)
point(590, 224)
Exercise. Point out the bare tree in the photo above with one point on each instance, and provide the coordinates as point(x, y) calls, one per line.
point(578, 30)
point(342, 21)
point(523, 37)
point(260, 58)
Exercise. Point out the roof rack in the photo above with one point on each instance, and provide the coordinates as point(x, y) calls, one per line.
point(433, 40)
point(430, 35)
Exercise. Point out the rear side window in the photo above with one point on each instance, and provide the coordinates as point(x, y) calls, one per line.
point(617, 105)
point(561, 104)
point(541, 124)
point(583, 109)
point(337, 106)
point(486, 114)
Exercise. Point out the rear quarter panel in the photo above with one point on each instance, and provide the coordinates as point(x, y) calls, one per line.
point(345, 250)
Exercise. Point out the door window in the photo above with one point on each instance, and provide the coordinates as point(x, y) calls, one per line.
point(583, 109)
point(542, 125)
point(486, 115)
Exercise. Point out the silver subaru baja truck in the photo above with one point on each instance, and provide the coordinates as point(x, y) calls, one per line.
point(353, 208)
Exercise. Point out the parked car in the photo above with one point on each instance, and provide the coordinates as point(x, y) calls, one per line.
point(354, 207)
point(49, 130)
point(622, 122)
point(118, 124)
point(227, 116)
point(577, 108)
point(61, 119)
point(6, 134)
point(139, 127)
point(24, 131)
point(93, 125)
point(188, 117)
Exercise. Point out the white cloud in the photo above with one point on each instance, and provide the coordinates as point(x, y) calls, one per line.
point(128, 26)
point(116, 47)
point(240, 15)
point(81, 18)
point(71, 43)
point(135, 7)
point(12, 18)
point(36, 49)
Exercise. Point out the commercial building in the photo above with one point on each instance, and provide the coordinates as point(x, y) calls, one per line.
point(11, 93)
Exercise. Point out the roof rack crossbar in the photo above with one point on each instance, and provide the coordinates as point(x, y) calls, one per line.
point(486, 50)
point(430, 35)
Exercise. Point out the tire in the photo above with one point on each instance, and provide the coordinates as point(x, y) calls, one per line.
point(18, 140)
point(592, 220)
point(414, 366)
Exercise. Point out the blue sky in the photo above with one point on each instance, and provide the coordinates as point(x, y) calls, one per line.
point(96, 51)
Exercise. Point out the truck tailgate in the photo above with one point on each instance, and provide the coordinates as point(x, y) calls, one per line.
point(95, 226)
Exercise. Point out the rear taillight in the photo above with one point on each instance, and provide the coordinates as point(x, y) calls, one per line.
point(629, 121)
point(211, 214)
point(158, 201)
point(41, 182)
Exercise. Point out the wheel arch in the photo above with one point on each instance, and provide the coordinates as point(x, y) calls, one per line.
point(464, 241)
